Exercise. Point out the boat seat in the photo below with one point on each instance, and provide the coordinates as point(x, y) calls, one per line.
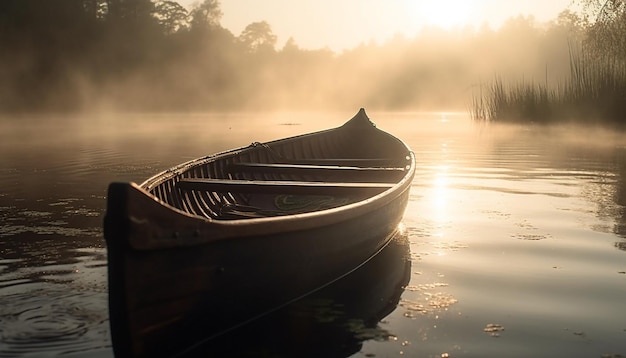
point(326, 172)
point(279, 158)
point(313, 167)
point(348, 162)
point(282, 187)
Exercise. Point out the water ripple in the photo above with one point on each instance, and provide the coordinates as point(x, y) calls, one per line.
point(53, 321)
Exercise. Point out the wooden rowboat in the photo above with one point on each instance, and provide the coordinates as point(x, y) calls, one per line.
point(213, 243)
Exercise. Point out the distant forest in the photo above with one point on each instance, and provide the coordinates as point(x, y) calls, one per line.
point(143, 55)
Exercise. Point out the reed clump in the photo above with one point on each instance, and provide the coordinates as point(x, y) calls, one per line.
point(595, 91)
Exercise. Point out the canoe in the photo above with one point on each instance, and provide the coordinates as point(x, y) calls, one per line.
point(214, 243)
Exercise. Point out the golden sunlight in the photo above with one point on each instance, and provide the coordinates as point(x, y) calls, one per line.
point(440, 195)
point(443, 14)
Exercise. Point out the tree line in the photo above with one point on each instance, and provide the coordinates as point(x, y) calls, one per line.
point(147, 55)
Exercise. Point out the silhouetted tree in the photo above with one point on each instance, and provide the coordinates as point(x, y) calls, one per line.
point(290, 46)
point(258, 36)
point(130, 10)
point(171, 16)
point(607, 32)
point(602, 10)
point(569, 22)
point(205, 15)
point(42, 43)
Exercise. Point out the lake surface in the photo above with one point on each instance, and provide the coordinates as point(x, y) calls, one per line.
point(513, 243)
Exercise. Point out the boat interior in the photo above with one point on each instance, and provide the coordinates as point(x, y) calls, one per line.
point(297, 175)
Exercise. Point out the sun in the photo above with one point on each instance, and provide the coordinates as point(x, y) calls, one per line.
point(445, 14)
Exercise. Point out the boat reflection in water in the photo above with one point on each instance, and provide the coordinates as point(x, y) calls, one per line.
point(332, 322)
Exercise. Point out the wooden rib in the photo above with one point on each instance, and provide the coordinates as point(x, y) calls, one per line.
point(185, 202)
point(204, 206)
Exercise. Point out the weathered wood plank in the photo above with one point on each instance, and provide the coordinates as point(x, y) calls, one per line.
point(350, 162)
point(282, 187)
point(322, 172)
point(274, 167)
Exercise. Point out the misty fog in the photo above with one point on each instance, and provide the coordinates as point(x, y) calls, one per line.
point(140, 56)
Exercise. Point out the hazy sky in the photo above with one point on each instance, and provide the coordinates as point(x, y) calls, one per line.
point(340, 24)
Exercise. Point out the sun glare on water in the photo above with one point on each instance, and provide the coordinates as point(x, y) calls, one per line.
point(443, 14)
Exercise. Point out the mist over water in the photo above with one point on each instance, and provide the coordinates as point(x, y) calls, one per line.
point(517, 233)
point(143, 57)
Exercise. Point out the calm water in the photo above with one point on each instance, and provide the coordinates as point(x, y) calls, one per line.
point(514, 241)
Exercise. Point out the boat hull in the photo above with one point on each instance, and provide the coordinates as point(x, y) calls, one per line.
point(332, 322)
point(187, 288)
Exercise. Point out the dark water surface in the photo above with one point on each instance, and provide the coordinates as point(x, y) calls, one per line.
point(515, 238)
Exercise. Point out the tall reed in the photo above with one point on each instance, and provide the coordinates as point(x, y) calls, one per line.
point(594, 91)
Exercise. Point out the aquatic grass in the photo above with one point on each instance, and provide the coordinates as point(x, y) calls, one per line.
point(595, 91)
point(598, 86)
point(519, 101)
